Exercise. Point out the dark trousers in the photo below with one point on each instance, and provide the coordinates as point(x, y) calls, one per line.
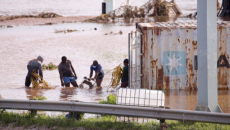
point(28, 82)
point(125, 84)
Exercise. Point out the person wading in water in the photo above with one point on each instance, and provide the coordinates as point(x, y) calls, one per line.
point(34, 66)
point(125, 78)
point(67, 73)
point(99, 73)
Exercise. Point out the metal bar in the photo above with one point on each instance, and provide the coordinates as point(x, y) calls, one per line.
point(207, 56)
point(129, 61)
point(148, 112)
point(141, 73)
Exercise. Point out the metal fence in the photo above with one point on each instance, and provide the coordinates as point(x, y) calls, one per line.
point(119, 110)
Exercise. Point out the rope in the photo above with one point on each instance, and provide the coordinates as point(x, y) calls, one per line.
point(38, 82)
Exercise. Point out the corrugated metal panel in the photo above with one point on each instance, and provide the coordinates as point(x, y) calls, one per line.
point(169, 55)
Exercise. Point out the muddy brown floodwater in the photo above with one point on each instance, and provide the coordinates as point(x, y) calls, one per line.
point(188, 100)
point(22, 43)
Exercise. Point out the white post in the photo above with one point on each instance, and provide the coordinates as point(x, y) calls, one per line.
point(207, 56)
point(110, 5)
point(128, 2)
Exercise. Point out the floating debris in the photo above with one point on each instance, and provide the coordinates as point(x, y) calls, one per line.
point(120, 32)
point(48, 15)
point(9, 26)
point(69, 30)
point(65, 31)
point(41, 15)
point(50, 66)
point(194, 15)
point(151, 8)
point(6, 26)
point(49, 23)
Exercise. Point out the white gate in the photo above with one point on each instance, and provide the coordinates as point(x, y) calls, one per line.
point(135, 60)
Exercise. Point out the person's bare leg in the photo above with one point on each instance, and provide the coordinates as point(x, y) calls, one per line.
point(67, 85)
point(74, 84)
point(99, 81)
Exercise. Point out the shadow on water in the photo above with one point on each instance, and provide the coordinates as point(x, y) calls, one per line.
point(67, 93)
point(30, 93)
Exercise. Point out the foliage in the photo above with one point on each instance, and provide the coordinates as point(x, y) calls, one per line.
point(104, 123)
point(50, 66)
point(40, 98)
point(111, 99)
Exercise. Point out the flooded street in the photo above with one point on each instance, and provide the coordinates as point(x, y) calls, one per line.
point(75, 7)
point(23, 43)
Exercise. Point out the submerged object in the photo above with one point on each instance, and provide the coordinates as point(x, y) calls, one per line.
point(86, 81)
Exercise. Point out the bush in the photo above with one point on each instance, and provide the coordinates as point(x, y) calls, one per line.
point(111, 99)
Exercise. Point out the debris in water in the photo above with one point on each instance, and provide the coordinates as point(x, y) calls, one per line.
point(9, 26)
point(38, 82)
point(194, 15)
point(151, 8)
point(6, 26)
point(120, 32)
point(69, 30)
point(41, 15)
point(50, 66)
point(111, 33)
point(49, 23)
point(65, 31)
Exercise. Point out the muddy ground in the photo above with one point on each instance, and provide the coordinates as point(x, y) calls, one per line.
point(44, 21)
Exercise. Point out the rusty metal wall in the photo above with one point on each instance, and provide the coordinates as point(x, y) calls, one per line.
point(169, 55)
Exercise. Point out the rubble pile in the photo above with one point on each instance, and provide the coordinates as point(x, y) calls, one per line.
point(151, 8)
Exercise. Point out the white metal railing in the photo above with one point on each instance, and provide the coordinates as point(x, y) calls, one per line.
point(148, 112)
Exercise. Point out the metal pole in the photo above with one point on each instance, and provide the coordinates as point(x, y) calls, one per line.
point(207, 56)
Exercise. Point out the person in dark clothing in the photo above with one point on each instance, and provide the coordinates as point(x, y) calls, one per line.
point(34, 66)
point(67, 73)
point(125, 77)
point(99, 73)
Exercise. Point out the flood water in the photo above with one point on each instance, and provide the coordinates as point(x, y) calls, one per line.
point(21, 44)
point(75, 7)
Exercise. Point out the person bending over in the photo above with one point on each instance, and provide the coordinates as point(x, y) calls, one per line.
point(99, 73)
point(125, 78)
point(34, 66)
point(67, 73)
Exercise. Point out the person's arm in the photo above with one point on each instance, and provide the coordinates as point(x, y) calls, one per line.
point(40, 70)
point(96, 75)
point(73, 71)
point(60, 73)
point(91, 74)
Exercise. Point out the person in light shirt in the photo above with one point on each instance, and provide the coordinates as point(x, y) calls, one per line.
point(99, 73)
